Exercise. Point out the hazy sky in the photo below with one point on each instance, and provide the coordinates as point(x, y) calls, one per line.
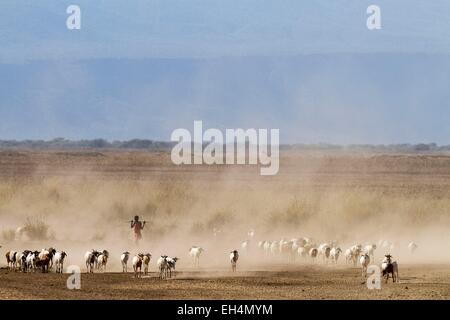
point(140, 69)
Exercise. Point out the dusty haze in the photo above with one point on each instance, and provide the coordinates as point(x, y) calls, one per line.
point(87, 198)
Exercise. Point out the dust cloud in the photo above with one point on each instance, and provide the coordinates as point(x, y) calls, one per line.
point(83, 201)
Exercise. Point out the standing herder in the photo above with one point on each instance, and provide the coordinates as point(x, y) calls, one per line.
point(137, 227)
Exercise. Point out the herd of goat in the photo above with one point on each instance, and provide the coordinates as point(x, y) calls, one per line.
point(45, 259)
point(290, 250)
point(307, 250)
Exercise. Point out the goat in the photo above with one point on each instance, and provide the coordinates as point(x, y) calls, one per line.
point(91, 260)
point(370, 250)
point(124, 260)
point(31, 260)
point(324, 251)
point(59, 261)
point(162, 267)
point(286, 249)
point(137, 265)
point(389, 267)
point(21, 260)
point(11, 260)
point(146, 260)
point(195, 253)
point(51, 254)
point(334, 254)
point(355, 253)
point(274, 247)
point(171, 262)
point(412, 247)
point(302, 252)
point(266, 248)
point(102, 260)
point(44, 258)
point(234, 256)
point(313, 254)
point(245, 245)
point(364, 260)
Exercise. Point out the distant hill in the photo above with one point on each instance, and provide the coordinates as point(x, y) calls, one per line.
point(151, 145)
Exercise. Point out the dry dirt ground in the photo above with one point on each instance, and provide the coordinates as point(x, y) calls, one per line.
point(276, 282)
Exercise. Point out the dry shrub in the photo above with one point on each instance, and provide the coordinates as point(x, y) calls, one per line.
point(36, 228)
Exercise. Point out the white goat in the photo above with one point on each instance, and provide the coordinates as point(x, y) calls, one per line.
point(11, 260)
point(274, 247)
point(355, 252)
point(60, 256)
point(90, 258)
point(162, 267)
point(31, 260)
point(302, 252)
point(334, 254)
point(266, 248)
point(124, 261)
point(324, 251)
point(137, 265)
point(370, 250)
point(412, 247)
point(102, 260)
point(21, 260)
point(245, 245)
point(234, 256)
point(194, 253)
point(364, 260)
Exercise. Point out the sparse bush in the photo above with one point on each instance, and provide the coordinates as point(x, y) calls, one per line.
point(36, 229)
